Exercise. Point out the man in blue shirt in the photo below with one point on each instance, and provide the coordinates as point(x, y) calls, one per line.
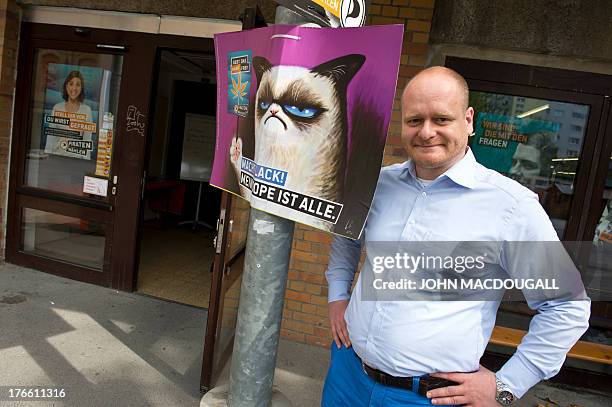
point(440, 194)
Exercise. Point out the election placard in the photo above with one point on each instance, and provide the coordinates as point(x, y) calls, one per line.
point(331, 13)
point(71, 110)
point(302, 120)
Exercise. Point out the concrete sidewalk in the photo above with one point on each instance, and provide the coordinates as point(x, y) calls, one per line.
point(111, 348)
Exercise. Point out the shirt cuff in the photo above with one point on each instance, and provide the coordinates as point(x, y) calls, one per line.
point(518, 376)
point(338, 290)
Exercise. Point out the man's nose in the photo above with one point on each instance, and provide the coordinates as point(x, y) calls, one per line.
point(427, 130)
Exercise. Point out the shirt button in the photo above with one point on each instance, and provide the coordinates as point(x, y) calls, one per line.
point(378, 308)
point(424, 194)
point(411, 221)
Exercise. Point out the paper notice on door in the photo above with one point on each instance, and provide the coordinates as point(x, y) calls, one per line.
point(95, 186)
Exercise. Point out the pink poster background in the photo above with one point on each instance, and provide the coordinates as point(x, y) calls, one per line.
point(369, 99)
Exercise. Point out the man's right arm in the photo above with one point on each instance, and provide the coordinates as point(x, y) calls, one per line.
point(343, 261)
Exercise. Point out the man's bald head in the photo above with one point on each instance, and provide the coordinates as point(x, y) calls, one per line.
point(436, 120)
point(437, 73)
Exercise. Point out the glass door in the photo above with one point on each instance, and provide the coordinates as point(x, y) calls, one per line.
point(70, 138)
point(65, 167)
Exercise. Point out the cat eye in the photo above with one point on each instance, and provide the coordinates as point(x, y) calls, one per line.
point(264, 105)
point(307, 112)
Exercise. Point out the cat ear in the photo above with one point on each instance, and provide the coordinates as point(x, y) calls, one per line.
point(341, 70)
point(261, 65)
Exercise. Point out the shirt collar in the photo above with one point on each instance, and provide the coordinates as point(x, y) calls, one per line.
point(463, 173)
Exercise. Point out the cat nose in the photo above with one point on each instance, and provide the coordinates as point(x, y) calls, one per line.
point(274, 110)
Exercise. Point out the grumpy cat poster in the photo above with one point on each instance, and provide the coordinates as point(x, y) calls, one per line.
point(308, 145)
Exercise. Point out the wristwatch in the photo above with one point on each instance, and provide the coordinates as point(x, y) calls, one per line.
point(503, 394)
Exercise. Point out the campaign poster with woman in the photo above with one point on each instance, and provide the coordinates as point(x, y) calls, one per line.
point(71, 110)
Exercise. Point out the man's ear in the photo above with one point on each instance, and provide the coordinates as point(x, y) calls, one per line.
point(469, 119)
point(261, 65)
point(342, 69)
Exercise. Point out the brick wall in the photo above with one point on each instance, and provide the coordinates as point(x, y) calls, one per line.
point(9, 31)
point(305, 314)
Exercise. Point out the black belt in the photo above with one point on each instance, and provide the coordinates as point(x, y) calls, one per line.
point(386, 379)
point(426, 383)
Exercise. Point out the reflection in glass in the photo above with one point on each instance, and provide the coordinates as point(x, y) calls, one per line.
point(73, 240)
point(72, 112)
point(600, 263)
point(534, 141)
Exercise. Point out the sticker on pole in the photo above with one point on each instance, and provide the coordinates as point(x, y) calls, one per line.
point(331, 13)
point(306, 142)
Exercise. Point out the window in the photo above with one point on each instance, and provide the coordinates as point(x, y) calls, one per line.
point(534, 147)
point(73, 240)
point(73, 108)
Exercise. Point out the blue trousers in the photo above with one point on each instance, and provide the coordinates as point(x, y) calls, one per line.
point(347, 385)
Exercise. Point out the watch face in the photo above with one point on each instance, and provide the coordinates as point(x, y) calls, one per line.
point(505, 398)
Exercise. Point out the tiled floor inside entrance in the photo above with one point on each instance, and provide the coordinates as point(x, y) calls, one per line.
point(175, 264)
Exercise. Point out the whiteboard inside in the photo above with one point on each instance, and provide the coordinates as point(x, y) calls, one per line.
point(198, 147)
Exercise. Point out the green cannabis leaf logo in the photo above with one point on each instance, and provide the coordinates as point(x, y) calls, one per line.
point(238, 88)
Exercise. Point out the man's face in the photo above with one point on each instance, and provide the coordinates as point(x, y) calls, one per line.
point(525, 163)
point(435, 124)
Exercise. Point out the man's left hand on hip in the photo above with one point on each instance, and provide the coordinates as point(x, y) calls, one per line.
point(475, 389)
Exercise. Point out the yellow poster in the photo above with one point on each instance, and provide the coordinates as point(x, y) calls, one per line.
point(333, 6)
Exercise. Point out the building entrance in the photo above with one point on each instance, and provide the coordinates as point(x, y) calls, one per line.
point(178, 205)
point(113, 140)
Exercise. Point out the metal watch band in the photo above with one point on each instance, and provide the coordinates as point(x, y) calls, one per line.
point(503, 394)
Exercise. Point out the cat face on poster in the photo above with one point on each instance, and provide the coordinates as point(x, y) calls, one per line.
point(301, 124)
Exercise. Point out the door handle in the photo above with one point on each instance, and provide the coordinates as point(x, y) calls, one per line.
point(111, 47)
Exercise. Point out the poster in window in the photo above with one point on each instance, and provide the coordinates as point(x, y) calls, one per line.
point(519, 147)
point(73, 98)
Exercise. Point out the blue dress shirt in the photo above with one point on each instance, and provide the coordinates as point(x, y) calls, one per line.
point(408, 338)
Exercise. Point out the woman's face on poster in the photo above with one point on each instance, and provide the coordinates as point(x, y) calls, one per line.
point(73, 89)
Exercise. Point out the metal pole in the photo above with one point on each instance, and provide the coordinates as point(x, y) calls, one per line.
point(262, 297)
point(260, 312)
